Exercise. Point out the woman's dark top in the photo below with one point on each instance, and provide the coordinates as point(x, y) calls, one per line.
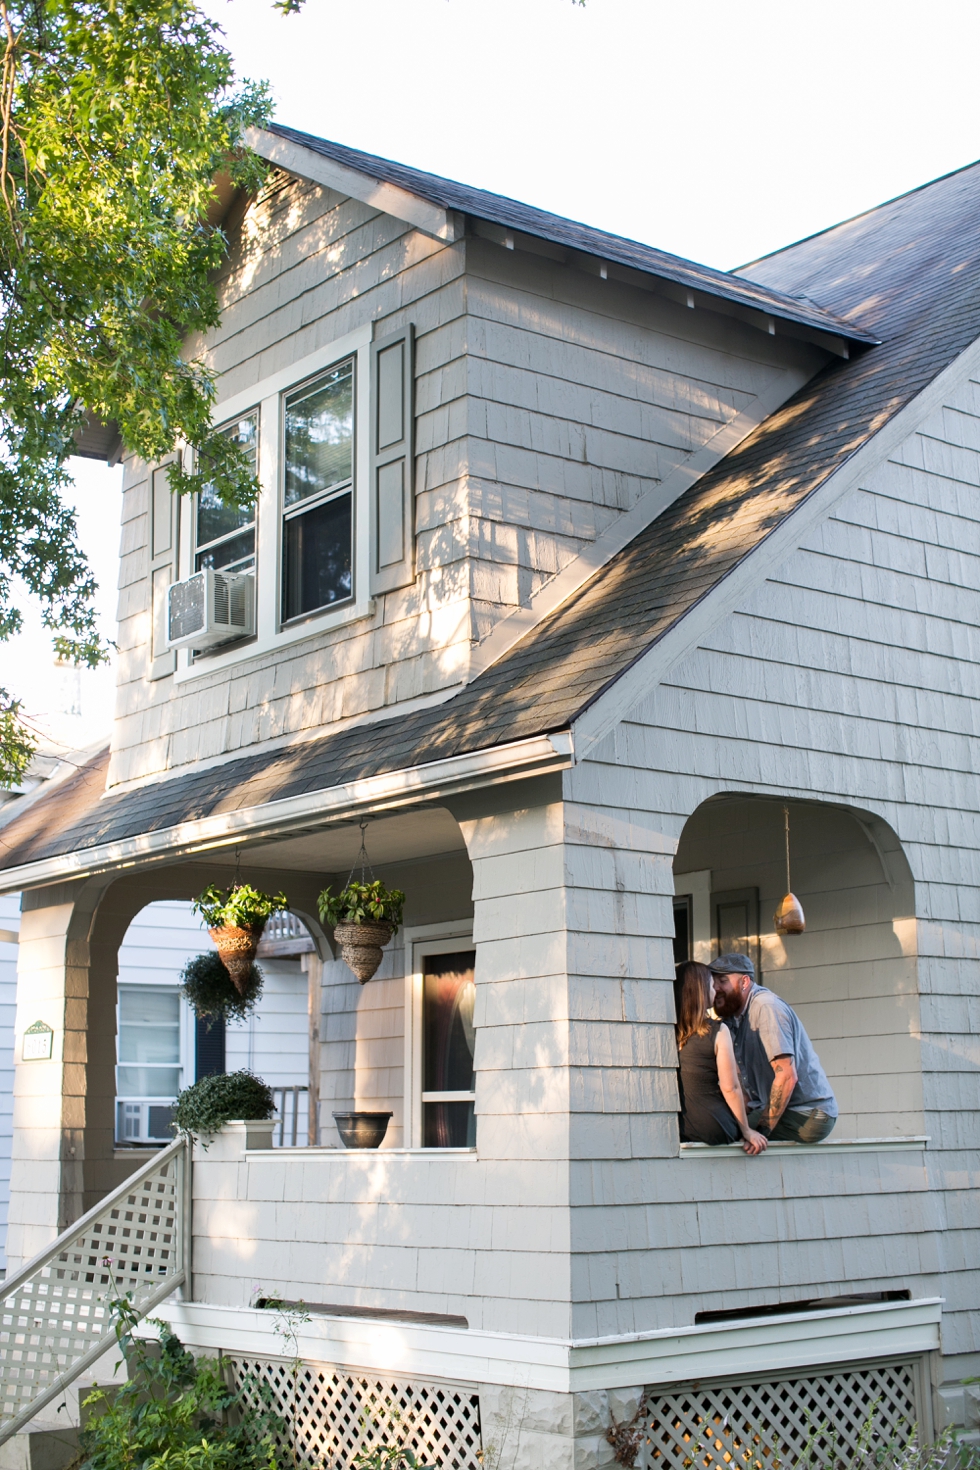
point(705, 1115)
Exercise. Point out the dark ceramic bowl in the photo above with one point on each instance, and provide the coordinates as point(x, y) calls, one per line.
point(362, 1130)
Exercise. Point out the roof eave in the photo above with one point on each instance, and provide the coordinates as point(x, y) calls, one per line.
point(433, 218)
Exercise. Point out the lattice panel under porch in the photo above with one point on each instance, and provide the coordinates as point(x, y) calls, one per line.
point(333, 1415)
point(59, 1312)
point(778, 1423)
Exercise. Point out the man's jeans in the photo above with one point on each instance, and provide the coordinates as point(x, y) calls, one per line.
point(793, 1127)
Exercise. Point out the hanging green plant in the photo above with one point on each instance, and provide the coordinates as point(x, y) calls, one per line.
point(362, 903)
point(214, 1101)
point(363, 916)
point(235, 918)
point(211, 993)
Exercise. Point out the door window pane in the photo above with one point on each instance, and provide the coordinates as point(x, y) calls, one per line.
point(225, 535)
point(320, 435)
point(318, 557)
point(448, 994)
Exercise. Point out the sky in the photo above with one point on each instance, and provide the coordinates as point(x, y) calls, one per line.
point(716, 129)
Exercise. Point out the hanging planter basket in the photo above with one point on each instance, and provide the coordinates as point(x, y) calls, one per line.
point(361, 946)
point(237, 948)
point(211, 993)
point(235, 921)
point(788, 918)
point(363, 915)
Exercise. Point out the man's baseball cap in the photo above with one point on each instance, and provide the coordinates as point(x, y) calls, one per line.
point(732, 964)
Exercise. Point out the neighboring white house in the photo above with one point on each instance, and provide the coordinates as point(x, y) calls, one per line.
point(574, 565)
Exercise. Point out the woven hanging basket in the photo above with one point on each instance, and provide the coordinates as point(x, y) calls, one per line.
point(237, 948)
point(361, 946)
point(788, 918)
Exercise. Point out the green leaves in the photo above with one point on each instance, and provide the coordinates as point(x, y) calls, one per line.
point(175, 1412)
point(17, 744)
point(209, 1104)
point(118, 116)
point(241, 907)
point(362, 903)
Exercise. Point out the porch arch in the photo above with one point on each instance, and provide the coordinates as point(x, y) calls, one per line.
point(852, 976)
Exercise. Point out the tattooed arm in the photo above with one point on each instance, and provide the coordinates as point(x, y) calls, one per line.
point(783, 1083)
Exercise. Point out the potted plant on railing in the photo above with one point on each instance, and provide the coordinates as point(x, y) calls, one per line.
point(207, 1105)
point(235, 920)
point(363, 916)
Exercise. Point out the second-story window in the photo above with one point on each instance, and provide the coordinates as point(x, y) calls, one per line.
point(318, 511)
point(225, 536)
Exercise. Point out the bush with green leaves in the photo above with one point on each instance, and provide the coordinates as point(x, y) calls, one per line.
point(238, 907)
point(362, 903)
point(208, 1105)
point(211, 993)
point(176, 1412)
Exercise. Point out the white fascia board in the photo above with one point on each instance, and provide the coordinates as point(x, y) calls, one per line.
point(461, 1355)
point(622, 531)
point(755, 568)
point(306, 163)
point(501, 763)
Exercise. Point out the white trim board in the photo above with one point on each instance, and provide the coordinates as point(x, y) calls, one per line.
point(708, 1153)
point(306, 163)
point(683, 636)
point(674, 1355)
point(498, 764)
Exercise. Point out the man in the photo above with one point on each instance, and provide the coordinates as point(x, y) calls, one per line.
point(788, 1096)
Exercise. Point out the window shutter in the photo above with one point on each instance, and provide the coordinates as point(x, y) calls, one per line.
point(392, 461)
point(164, 531)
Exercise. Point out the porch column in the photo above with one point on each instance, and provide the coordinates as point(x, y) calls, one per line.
point(47, 1177)
point(521, 1061)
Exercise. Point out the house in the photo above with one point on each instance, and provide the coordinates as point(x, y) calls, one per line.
point(575, 564)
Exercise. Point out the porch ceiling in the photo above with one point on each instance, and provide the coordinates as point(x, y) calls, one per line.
point(406, 837)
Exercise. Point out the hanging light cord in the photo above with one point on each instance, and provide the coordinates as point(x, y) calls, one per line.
point(789, 886)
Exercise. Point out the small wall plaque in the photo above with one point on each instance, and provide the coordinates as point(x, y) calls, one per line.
point(38, 1042)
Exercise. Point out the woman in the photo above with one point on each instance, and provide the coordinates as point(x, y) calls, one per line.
point(712, 1105)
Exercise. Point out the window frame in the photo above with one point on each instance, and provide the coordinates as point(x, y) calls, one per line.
point(196, 548)
point(185, 1064)
point(314, 502)
point(271, 632)
point(429, 939)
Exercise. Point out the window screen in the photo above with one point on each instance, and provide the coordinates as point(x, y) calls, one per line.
point(318, 493)
point(448, 994)
point(225, 536)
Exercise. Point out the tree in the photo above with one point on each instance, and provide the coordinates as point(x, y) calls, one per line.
point(115, 117)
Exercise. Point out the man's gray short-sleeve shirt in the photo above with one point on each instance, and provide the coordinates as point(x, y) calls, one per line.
point(769, 1028)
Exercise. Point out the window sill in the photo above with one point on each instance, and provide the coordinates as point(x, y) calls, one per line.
point(831, 1146)
point(263, 643)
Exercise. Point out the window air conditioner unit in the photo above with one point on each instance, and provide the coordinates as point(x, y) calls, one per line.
point(210, 608)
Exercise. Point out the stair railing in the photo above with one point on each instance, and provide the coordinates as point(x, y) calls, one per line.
point(55, 1319)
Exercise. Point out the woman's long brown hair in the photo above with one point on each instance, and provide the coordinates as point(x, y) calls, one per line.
point(692, 999)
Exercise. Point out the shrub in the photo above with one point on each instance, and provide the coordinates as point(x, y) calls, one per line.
point(175, 1411)
point(240, 907)
point(215, 1101)
point(362, 903)
point(210, 991)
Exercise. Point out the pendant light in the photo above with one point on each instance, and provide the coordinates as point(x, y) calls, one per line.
point(788, 918)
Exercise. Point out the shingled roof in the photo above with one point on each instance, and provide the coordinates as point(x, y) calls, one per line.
point(908, 272)
point(786, 304)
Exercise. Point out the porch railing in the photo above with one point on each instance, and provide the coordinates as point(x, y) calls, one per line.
point(55, 1318)
point(287, 1107)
